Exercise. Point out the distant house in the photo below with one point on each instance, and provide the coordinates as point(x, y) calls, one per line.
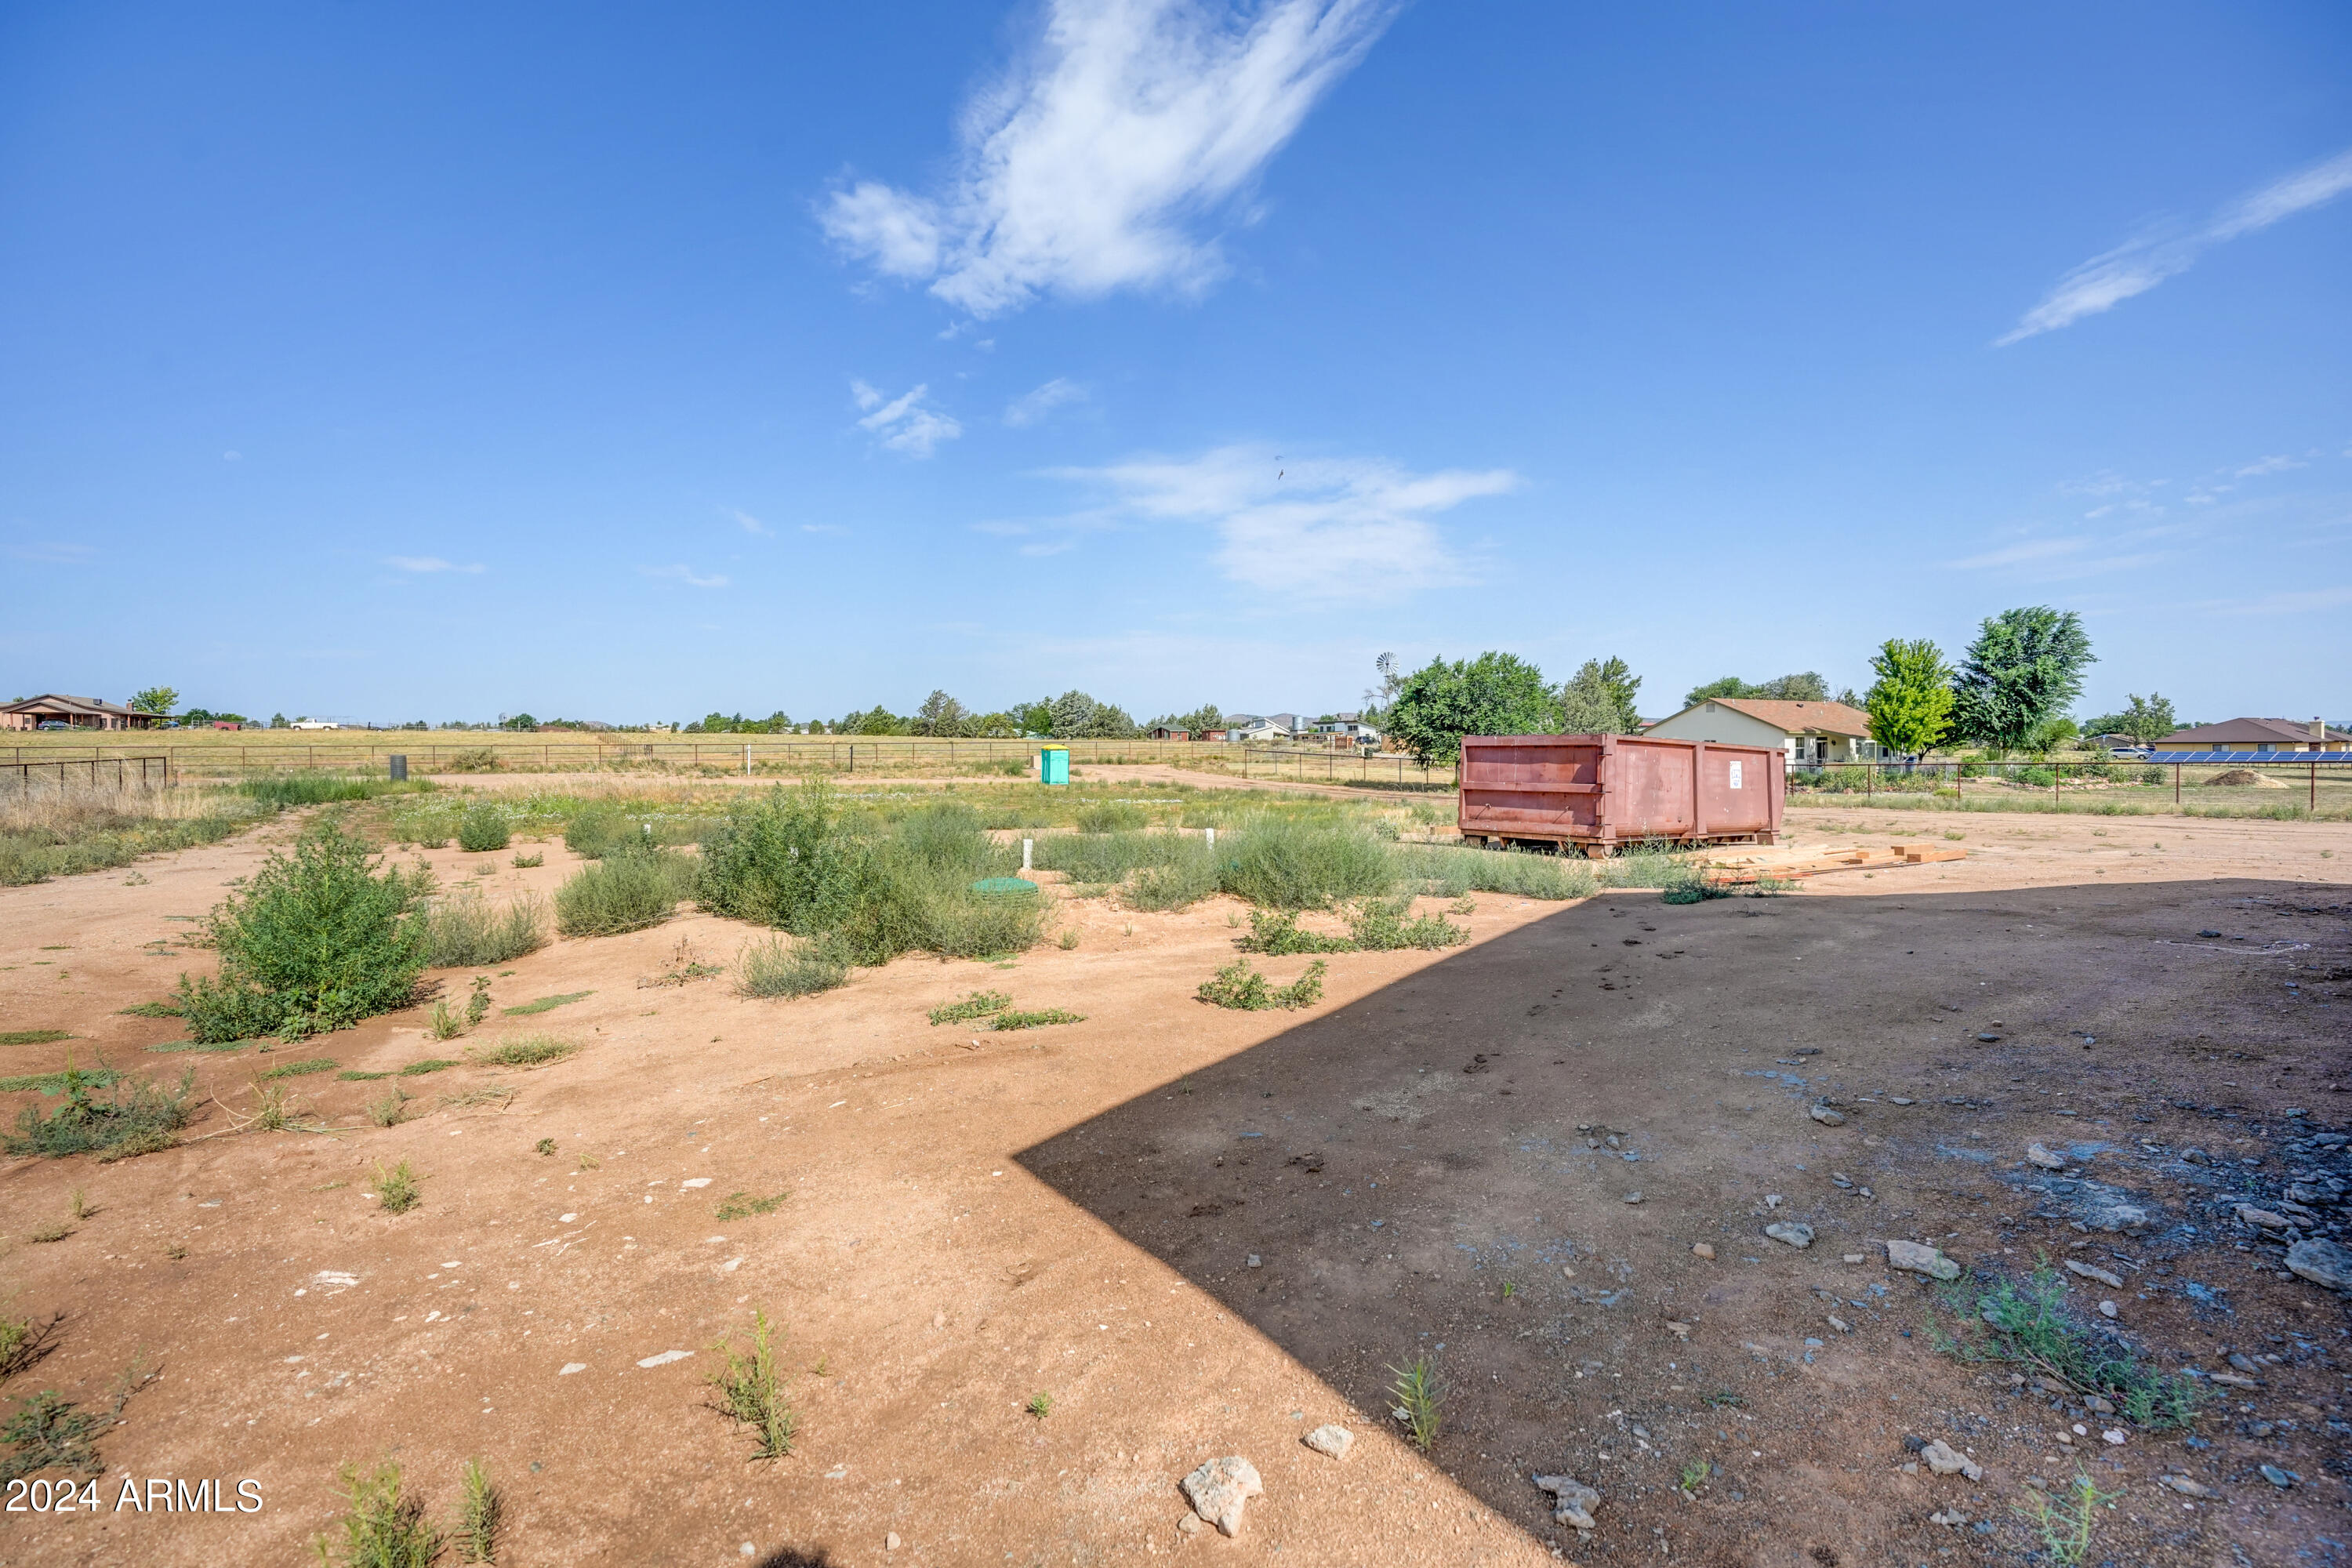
point(78, 712)
point(1213, 734)
point(1806, 732)
point(2258, 735)
point(1269, 727)
point(1170, 732)
point(1350, 725)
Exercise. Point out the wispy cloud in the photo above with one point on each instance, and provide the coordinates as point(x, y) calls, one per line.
point(428, 564)
point(822, 528)
point(747, 522)
point(2017, 555)
point(1327, 527)
point(54, 552)
point(903, 424)
point(2139, 265)
point(1091, 164)
point(2284, 602)
point(686, 575)
point(2268, 465)
point(1033, 406)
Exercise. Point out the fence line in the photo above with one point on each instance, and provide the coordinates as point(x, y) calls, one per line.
point(153, 768)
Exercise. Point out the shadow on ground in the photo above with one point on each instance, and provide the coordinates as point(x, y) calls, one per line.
point(1447, 1167)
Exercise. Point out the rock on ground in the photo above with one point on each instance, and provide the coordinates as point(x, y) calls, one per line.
point(2322, 1262)
point(2091, 1271)
point(1921, 1258)
point(2036, 1154)
point(1825, 1116)
point(1332, 1439)
point(1946, 1460)
point(1573, 1501)
point(1799, 1236)
point(1218, 1490)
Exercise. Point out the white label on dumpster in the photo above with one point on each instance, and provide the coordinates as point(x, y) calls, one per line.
point(1735, 776)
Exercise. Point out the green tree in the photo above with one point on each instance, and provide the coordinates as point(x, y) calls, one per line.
point(155, 700)
point(519, 721)
point(1804, 686)
point(941, 715)
point(1036, 718)
point(2026, 665)
point(1598, 700)
point(278, 720)
point(1910, 704)
point(1493, 694)
point(2144, 719)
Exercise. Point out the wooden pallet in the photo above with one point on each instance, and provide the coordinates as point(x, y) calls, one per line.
point(1793, 862)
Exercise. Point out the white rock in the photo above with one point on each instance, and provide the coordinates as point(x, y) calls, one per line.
point(1825, 1116)
point(1331, 1440)
point(2108, 1309)
point(1945, 1460)
point(1573, 1501)
point(2113, 1435)
point(1218, 1490)
point(665, 1358)
point(1921, 1258)
point(2093, 1271)
point(571, 1366)
point(1773, 1200)
point(2036, 1154)
point(696, 1182)
point(1795, 1234)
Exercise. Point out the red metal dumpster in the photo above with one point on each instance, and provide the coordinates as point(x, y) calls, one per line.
point(1594, 792)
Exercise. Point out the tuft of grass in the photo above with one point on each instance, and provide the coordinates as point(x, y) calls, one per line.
point(1417, 1397)
point(1279, 933)
point(150, 1010)
point(545, 1003)
point(49, 1433)
point(55, 1083)
point(2066, 1524)
point(627, 890)
point(34, 1036)
point(1109, 816)
point(2029, 1323)
point(530, 862)
point(134, 1117)
point(1693, 1476)
point(219, 1048)
point(1455, 872)
point(1296, 863)
point(390, 1109)
point(354, 1075)
point(1069, 941)
point(79, 1205)
point(751, 1391)
point(385, 1529)
point(22, 1342)
point(48, 1233)
point(742, 1205)
point(468, 932)
point(779, 965)
point(302, 1069)
point(1379, 926)
point(275, 1109)
point(447, 1023)
point(395, 1188)
point(480, 1511)
point(1040, 1405)
point(496, 1094)
point(1240, 987)
point(524, 1051)
point(429, 1065)
point(477, 1005)
point(544, 1146)
point(1038, 1020)
point(482, 827)
point(979, 1005)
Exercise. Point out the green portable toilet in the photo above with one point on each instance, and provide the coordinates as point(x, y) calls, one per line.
point(1053, 764)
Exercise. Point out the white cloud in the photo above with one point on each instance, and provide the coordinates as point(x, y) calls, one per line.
point(1333, 527)
point(2286, 602)
point(1029, 407)
point(2139, 265)
point(1090, 164)
point(822, 528)
point(903, 424)
point(2017, 555)
point(747, 522)
point(686, 575)
point(2267, 466)
point(428, 563)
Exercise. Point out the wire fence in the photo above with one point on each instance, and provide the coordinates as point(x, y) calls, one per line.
point(2000, 782)
point(152, 770)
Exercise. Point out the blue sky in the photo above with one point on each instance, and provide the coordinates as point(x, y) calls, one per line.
point(626, 362)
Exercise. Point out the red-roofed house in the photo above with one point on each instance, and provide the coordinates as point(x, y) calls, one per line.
point(1806, 732)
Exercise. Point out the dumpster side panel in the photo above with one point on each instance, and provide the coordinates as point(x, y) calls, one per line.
point(1534, 786)
point(1616, 788)
point(1653, 798)
point(1738, 789)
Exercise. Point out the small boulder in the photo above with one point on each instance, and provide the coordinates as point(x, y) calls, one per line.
point(1946, 1460)
point(1331, 1440)
point(1825, 1116)
point(2093, 1271)
point(2035, 1154)
point(1921, 1258)
point(1701, 1250)
point(2264, 1218)
point(2186, 1486)
point(1795, 1234)
point(1218, 1490)
point(2320, 1262)
point(1573, 1502)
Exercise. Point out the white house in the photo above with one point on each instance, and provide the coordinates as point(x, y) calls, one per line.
point(1806, 732)
point(1262, 729)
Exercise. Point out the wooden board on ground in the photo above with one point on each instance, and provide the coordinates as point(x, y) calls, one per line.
point(1794, 862)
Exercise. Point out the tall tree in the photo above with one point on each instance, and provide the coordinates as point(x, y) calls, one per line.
point(941, 715)
point(1493, 694)
point(1910, 704)
point(155, 700)
point(2144, 719)
point(1598, 700)
point(1804, 686)
point(2025, 666)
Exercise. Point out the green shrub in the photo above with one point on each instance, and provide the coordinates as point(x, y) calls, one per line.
point(317, 941)
point(979, 1005)
point(1379, 926)
point(468, 932)
point(430, 1065)
point(1279, 933)
point(482, 827)
point(780, 965)
point(783, 858)
point(2029, 1324)
point(384, 1529)
point(1189, 876)
point(1238, 985)
point(623, 892)
point(1109, 816)
point(1286, 863)
point(1037, 1020)
point(282, 792)
point(134, 1119)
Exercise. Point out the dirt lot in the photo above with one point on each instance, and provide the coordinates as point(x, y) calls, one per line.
point(1205, 1233)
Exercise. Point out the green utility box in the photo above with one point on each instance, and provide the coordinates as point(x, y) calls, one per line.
point(1053, 764)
